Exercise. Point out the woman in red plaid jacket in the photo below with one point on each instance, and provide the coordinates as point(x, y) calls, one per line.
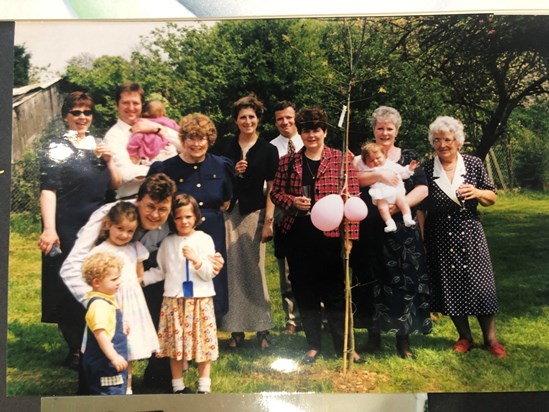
point(314, 257)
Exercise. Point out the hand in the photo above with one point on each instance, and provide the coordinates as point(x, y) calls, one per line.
point(119, 363)
point(241, 166)
point(413, 165)
point(145, 126)
point(103, 150)
point(47, 239)
point(302, 203)
point(190, 255)
point(389, 178)
point(217, 262)
point(468, 191)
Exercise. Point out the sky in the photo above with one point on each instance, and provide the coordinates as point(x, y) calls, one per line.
point(53, 43)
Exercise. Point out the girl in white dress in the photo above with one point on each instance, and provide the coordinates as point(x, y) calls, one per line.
point(116, 236)
point(372, 157)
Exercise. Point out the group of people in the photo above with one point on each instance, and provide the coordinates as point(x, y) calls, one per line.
point(181, 253)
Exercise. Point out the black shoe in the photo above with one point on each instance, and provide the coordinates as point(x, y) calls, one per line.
point(185, 390)
point(203, 392)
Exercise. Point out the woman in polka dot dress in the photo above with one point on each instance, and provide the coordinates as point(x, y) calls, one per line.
point(457, 252)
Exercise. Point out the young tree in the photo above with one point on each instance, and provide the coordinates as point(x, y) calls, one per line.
point(22, 66)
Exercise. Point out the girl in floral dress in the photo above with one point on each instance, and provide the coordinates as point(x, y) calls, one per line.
point(187, 328)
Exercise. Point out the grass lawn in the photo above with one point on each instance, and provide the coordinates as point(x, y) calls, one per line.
point(516, 228)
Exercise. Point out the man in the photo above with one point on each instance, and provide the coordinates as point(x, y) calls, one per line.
point(154, 202)
point(129, 102)
point(289, 141)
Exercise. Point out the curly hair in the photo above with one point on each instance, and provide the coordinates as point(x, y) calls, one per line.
point(310, 119)
point(197, 125)
point(447, 124)
point(97, 266)
point(386, 113)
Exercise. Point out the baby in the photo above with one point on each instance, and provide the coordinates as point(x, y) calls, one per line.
point(372, 158)
point(144, 148)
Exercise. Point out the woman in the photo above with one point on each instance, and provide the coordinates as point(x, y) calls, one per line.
point(207, 178)
point(457, 252)
point(75, 176)
point(314, 257)
point(249, 224)
point(391, 282)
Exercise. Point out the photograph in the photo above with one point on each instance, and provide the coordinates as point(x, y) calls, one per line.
point(304, 212)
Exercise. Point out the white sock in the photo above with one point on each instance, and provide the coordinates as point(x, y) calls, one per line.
point(408, 221)
point(390, 226)
point(178, 384)
point(204, 385)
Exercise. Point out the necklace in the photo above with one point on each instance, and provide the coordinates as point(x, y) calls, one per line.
point(313, 175)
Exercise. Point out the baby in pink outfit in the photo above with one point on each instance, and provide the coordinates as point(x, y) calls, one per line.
point(145, 148)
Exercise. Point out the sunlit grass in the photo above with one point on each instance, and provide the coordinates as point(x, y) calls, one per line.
point(516, 228)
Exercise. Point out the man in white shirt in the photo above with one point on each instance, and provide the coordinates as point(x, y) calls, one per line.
point(289, 141)
point(129, 102)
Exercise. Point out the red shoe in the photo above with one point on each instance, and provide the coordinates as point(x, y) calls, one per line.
point(463, 345)
point(498, 350)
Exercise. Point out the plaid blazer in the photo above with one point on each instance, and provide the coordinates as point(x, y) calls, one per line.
point(287, 185)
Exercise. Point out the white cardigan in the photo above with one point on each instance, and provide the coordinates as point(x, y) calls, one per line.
point(171, 265)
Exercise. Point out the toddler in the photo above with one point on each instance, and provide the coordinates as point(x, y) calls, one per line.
point(372, 158)
point(144, 148)
point(104, 359)
point(187, 328)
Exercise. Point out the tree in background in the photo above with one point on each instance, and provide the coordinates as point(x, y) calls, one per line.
point(21, 67)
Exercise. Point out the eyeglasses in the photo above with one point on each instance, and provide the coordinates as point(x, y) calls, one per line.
point(446, 140)
point(77, 113)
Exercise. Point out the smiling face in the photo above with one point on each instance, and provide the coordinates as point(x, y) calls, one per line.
point(185, 220)
point(285, 122)
point(153, 213)
point(446, 146)
point(385, 133)
point(247, 121)
point(129, 107)
point(121, 233)
point(79, 122)
point(108, 284)
point(195, 148)
point(313, 139)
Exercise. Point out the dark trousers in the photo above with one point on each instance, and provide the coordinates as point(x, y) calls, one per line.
point(316, 274)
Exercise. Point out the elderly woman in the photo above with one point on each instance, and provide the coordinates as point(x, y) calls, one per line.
point(457, 253)
point(249, 224)
point(208, 178)
point(75, 176)
point(314, 257)
point(389, 270)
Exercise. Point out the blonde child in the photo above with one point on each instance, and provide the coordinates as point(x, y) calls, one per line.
point(373, 158)
point(187, 328)
point(145, 148)
point(104, 359)
point(116, 235)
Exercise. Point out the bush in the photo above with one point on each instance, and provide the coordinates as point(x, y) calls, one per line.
point(531, 163)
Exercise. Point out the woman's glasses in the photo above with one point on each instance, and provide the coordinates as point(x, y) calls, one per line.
point(77, 113)
point(446, 140)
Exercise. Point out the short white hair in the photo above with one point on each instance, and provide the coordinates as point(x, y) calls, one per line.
point(444, 124)
point(388, 114)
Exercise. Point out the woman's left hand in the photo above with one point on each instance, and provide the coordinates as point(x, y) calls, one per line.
point(103, 150)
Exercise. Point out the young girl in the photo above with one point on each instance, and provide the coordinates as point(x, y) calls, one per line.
point(145, 148)
point(372, 158)
point(187, 327)
point(116, 236)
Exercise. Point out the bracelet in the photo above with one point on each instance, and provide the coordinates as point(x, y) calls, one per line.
point(158, 130)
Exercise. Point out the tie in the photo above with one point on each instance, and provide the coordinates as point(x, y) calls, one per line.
point(291, 147)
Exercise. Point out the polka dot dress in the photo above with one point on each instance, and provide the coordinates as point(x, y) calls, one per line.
point(457, 252)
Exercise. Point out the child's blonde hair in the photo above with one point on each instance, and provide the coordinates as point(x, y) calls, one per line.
point(153, 108)
point(369, 148)
point(97, 266)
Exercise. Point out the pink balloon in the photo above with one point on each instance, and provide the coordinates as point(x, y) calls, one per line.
point(327, 213)
point(355, 209)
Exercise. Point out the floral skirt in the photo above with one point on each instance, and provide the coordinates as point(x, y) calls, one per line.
point(187, 329)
